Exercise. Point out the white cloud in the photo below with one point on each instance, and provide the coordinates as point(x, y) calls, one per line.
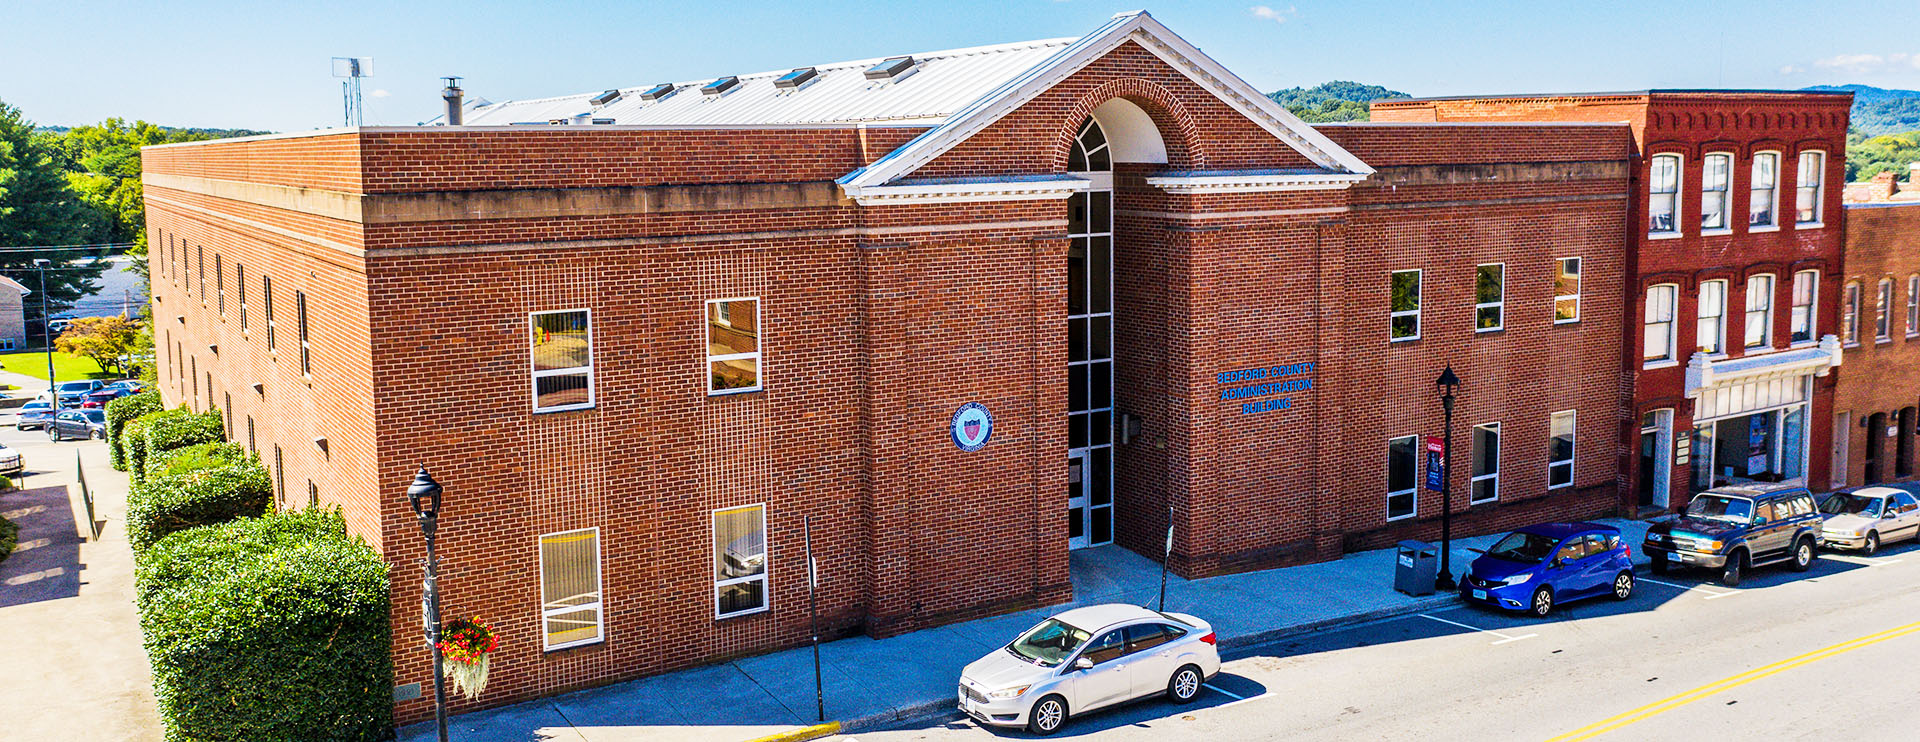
point(381, 93)
point(1266, 13)
point(1792, 69)
point(1868, 63)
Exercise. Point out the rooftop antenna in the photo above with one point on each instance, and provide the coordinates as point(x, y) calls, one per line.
point(352, 69)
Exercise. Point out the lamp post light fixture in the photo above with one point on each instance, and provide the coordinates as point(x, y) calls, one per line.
point(46, 332)
point(1445, 384)
point(424, 496)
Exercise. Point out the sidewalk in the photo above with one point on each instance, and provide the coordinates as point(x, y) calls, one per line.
point(774, 693)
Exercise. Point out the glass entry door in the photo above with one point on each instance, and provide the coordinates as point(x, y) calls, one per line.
point(1079, 498)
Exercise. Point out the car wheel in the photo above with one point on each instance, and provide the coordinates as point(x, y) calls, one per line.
point(1542, 605)
point(1872, 544)
point(1049, 714)
point(53, 434)
point(1184, 686)
point(1623, 586)
point(1736, 563)
point(1659, 564)
point(1803, 554)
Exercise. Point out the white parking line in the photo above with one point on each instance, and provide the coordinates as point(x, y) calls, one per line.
point(1234, 696)
point(1711, 594)
point(1863, 561)
point(1504, 638)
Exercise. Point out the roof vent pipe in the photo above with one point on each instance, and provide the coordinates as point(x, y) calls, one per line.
point(452, 95)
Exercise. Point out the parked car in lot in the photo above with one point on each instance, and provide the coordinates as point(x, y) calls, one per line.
point(35, 414)
point(131, 386)
point(78, 425)
point(1086, 659)
point(1739, 527)
point(71, 392)
point(10, 461)
point(99, 398)
point(1539, 567)
point(1868, 517)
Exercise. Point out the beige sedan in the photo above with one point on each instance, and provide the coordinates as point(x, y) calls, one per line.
point(1866, 518)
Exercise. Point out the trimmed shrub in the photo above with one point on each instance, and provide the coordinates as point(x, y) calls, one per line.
point(164, 504)
point(197, 456)
point(273, 628)
point(9, 535)
point(122, 411)
point(133, 445)
point(182, 427)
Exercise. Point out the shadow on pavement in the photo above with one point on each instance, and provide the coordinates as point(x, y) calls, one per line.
point(46, 563)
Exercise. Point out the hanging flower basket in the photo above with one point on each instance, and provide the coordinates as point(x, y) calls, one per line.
point(465, 645)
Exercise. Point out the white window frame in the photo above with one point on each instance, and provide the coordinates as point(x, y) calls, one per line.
point(1725, 190)
point(1850, 314)
point(533, 380)
point(1499, 460)
point(1679, 186)
point(1773, 193)
point(1819, 189)
point(1913, 305)
point(1670, 355)
point(1500, 305)
point(1812, 310)
point(1719, 307)
point(1883, 311)
point(1419, 299)
point(599, 591)
point(1746, 318)
point(766, 559)
point(1415, 490)
point(1572, 455)
point(1560, 267)
point(706, 341)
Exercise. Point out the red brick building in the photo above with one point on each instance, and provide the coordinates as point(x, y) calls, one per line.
point(922, 307)
point(1875, 399)
point(1734, 275)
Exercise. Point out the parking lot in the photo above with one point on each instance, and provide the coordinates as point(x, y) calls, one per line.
point(1684, 657)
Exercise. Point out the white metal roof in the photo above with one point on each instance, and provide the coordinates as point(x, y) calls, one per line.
point(939, 84)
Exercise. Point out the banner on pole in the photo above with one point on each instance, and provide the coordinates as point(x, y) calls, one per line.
point(1436, 463)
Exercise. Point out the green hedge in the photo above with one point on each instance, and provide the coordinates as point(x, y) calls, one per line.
point(167, 431)
point(197, 456)
point(133, 444)
point(166, 503)
point(9, 535)
point(122, 411)
point(273, 628)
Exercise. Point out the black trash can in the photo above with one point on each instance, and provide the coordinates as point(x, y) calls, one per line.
point(1415, 567)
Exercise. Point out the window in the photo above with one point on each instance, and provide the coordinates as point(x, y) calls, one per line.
point(279, 478)
point(1806, 287)
point(1663, 185)
point(1560, 450)
point(1566, 290)
point(740, 561)
point(570, 588)
point(1913, 305)
point(1713, 191)
point(266, 305)
point(1109, 647)
point(1710, 332)
point(1489, 297)
point(240, 283)
point(733, 346)
point(1404, 312)
point(203, 274)
point(300, 318)
point(1486, 463)
point(226, 421)
point(1850, 315)
point(313, 494)
point(253, 446)
point(1763, 191)
point(1403, 477)
point(562, 357)
point(1659, 323)
point(1760, 310)
point(1808, 196)
point(1882, 311)
point(220, 281)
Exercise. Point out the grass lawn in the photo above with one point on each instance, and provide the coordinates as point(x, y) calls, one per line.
point(67, 367)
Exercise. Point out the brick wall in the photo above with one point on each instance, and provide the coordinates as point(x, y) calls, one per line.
point(1879, 378)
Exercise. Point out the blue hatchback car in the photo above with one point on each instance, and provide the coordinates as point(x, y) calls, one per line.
point(1539, 567)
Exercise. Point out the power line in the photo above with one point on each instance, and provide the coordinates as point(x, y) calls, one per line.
point(96, 246)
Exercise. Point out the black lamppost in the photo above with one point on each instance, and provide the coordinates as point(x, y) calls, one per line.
point(1445, 384)
point(46, 331)
point(424, 488)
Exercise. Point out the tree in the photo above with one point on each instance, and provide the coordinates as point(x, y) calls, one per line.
point(37, 208)
point(104, 339)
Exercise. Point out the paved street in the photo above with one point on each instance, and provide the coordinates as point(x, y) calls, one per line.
point(1826, 654)
point(72, 667)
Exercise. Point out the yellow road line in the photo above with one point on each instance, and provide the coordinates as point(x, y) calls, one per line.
point(1668, 704)
point(802, 734)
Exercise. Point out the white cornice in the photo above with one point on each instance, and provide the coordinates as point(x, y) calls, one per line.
point(1703, 374)
point(1254, 182)
point(913, 194)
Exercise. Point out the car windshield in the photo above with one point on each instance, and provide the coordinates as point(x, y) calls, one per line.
point(76, 386)
point(1852, 505)
point(1715, 507)
point(1048, 644)
point(36, 405)
point(1527, 548)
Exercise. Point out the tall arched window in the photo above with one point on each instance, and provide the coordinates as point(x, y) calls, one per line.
point(1090, 342)
point(1090, 149)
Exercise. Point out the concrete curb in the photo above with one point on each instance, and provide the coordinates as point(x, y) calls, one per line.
point(803, 734)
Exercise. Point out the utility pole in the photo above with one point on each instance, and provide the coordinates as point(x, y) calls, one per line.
point(46, 333)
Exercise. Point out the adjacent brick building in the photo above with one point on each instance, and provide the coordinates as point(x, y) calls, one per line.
point(650, 340)
point(1875, 400)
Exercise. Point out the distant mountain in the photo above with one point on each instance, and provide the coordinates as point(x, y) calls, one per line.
point(190, 132)
point(1880, 110)
point(1339, 100)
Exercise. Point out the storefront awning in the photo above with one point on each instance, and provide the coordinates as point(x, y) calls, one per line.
point(1732, 385)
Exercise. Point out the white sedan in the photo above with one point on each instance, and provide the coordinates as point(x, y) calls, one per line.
point(1868, 517)
point(1086, 659)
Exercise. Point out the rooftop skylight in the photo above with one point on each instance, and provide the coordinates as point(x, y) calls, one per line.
point(605, 98)
point(720, 86)
point(658, 92)
point(889, 68)
point(796, 78)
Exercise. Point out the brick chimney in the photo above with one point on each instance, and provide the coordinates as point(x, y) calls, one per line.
point(1880, 187)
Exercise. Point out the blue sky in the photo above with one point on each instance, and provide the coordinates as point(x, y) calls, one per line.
point(265, 65)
